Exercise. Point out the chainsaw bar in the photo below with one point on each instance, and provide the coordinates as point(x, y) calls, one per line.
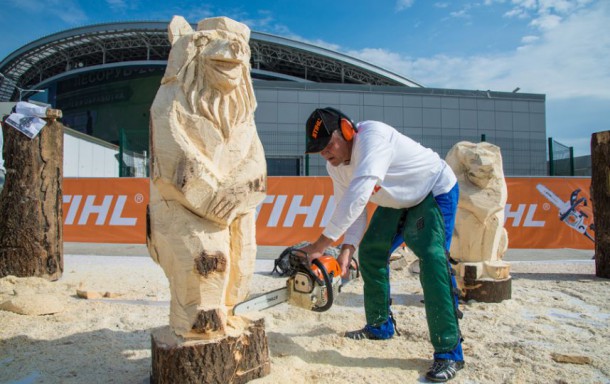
point(264, 301)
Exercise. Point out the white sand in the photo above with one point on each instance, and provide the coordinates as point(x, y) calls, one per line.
point(557, 307)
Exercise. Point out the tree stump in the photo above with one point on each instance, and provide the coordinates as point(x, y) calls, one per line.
point(31, 235)
point(230, 359)
point(486, 290)
point(600, 197)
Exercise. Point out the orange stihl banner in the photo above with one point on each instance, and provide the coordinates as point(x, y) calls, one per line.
point(296, 209)
point(549, 212)
point(540, 212)
point(105, 210)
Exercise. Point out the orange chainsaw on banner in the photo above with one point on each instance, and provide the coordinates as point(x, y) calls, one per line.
point(571, 212)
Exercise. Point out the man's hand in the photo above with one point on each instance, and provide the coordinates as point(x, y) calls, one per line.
point(345, 259)
point(312, 252)
point(317, 248)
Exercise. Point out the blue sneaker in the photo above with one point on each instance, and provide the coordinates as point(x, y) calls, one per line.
point(383, 331)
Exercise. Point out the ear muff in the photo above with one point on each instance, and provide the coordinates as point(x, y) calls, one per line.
point(347, 129)
point(347, 126)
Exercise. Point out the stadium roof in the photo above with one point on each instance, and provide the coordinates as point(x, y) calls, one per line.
point(146, 43)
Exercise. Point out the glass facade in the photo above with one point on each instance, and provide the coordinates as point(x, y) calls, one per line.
point(113, 105)
point(287, 166)
point(436, 118)
point(103, 103)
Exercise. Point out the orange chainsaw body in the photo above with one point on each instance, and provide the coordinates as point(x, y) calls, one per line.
point(331, 265)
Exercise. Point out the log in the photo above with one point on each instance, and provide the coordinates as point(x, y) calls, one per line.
point(600, 198)
point(31, 235)
point(485, 290)
point(230, 359)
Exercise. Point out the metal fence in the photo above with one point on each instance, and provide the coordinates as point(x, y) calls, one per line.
point(561, 159)
point(133, 153)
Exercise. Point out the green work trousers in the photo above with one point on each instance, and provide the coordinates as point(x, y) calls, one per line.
point(424, 234)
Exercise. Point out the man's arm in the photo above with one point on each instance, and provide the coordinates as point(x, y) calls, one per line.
point(350, 207)
point(346, 253)
point(349, 211)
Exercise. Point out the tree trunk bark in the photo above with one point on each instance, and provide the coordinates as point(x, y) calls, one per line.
point(600, 197)
point(31, 234)
point(230, 359)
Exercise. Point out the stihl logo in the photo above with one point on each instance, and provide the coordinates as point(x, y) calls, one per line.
point(99, 210)
point(316, 128)
point(296, 208)
point(517, 215)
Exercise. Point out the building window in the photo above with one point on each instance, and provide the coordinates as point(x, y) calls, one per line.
point(283, 166)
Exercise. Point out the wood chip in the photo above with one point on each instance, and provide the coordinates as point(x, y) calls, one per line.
point(570, 359)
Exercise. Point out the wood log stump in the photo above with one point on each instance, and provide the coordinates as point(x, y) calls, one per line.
point(31, 234)
point(600, 197)
point(230, 359)
point(485, 290)
point(489, 291)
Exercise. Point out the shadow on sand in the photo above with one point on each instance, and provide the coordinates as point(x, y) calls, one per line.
point(281, 344)
point(103, 356)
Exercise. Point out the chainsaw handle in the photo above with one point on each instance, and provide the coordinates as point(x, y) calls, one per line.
point(297, 252)
point(329, 287)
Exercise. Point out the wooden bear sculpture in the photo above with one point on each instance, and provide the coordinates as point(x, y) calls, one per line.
point(480, 239)
point(208, 174)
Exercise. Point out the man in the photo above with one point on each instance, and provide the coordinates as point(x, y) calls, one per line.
point(417, 194)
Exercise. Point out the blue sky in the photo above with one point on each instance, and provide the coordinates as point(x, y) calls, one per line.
point(560, 48)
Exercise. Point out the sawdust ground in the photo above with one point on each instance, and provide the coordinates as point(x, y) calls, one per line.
point(556, 308)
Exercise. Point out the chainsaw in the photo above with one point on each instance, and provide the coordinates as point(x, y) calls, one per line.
point(312, 285)
point(569, 211)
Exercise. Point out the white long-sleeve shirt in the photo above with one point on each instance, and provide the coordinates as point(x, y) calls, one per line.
point(388, 169)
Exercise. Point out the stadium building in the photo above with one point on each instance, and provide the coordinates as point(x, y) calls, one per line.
point(104, 78)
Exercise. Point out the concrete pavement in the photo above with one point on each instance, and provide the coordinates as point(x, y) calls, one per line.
point(271, 252)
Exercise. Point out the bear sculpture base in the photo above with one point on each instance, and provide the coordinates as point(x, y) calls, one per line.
point(486, 289)
point(230, 359)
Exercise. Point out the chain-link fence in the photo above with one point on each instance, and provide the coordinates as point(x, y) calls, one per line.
point(561, 159)
point(133, 153)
